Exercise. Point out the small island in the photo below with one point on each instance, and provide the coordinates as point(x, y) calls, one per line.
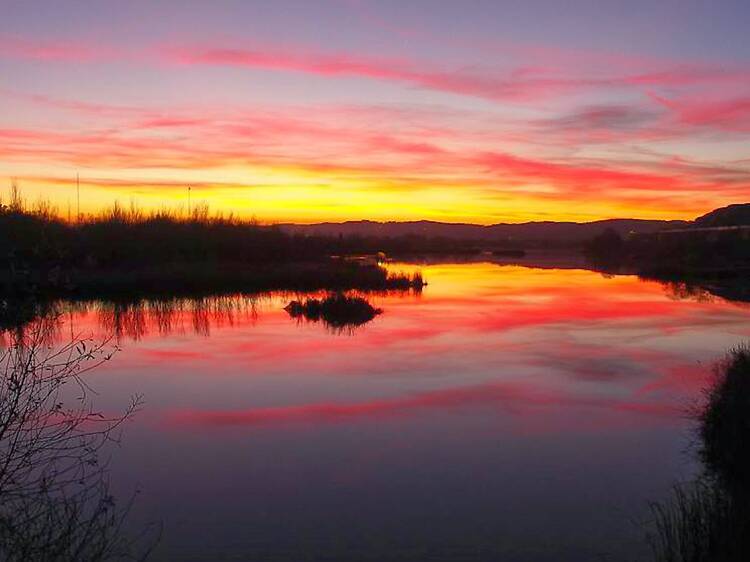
point(335, 310)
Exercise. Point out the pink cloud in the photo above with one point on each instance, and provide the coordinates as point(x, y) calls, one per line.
point(584, 178)
point(512, 395)
point(522, 74)
point(723, 114)
point(403, 149)
point(418, 74)
point(58, 50)
point(519, 83)
point(401, 159)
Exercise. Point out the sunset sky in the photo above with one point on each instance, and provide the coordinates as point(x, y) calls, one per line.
point(464, 111)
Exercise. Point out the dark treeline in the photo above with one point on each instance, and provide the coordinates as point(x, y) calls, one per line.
point(722, 254)
point(200, 279)
point(126, 249)
point(123, 237)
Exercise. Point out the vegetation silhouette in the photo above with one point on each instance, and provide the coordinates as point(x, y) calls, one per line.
point(725, 422)
point(509, 253)
point(338, 311)
point(138, 317)
point(125, 250)
point(55, 503)
point(717, 254)
point(605, 250)
point(709, 519)
point(714, 261)
point(15, 313)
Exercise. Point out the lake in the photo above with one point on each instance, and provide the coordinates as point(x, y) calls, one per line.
point(503, 413)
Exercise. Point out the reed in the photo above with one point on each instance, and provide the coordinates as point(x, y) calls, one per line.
point(709, 520)
point(125, 249)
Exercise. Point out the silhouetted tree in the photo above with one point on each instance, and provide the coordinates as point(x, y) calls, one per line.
point(55, 503)
point(606, 248)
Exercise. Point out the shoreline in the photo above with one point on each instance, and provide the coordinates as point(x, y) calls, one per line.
point(196, 278)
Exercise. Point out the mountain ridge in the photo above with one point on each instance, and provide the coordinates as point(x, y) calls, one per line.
point(737, 214)
point(567, 231)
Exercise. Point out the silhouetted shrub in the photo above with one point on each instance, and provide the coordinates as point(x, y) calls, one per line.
point(725, 421)
point(694, 525)
point(336, 310)
point(709, 520)
point(55, 501)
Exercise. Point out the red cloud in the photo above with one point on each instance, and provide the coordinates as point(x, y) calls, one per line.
point(63, 50)
point(399, 149)
point(508, 395)
point(730, 115)
point(394, 160)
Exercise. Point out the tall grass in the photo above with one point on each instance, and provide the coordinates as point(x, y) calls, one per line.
point(36, 236)
point(126, 248)
point(725, 421)
point(709, 520)
point(694, 524)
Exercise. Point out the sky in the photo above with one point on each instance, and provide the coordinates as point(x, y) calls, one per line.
point(461, 111)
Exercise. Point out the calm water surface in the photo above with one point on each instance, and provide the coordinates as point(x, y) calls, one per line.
point(505, 413)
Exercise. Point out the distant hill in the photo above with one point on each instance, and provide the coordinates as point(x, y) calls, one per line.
point(732, 215)
point(559, 232)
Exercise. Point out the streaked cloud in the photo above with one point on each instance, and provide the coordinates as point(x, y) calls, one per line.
point(533, 128)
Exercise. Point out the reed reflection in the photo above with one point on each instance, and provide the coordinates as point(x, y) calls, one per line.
point(137, 319)
point(132, 320)
point(487, 364)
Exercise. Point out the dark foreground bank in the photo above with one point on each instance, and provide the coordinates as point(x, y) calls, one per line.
point(709, 520)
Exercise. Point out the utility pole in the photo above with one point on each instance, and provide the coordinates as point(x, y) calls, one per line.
point(189, 208)
point(78, 198)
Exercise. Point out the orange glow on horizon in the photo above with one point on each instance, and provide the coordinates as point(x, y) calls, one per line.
point(542, 134)
point(301, 201)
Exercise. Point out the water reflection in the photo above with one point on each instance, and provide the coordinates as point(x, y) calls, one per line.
point(505, 413)
point(737, 293)
point(140, 318)
point(340, 313)
point(17, 314)
point(679, 290)
point(134, 319)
